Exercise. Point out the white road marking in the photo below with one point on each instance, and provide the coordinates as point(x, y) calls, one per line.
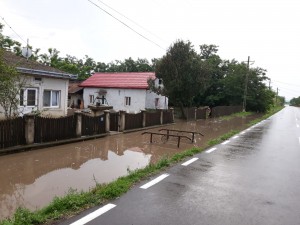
point(155, 181)
point(225, 142)
point(235, 137)
point(189, 162)
point(243, 132)
point(211, 150)
point(94, 214)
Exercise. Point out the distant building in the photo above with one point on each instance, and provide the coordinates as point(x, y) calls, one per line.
point(123, 91)
point(75, 95)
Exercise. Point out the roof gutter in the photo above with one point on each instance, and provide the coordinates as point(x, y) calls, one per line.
point(47, 73)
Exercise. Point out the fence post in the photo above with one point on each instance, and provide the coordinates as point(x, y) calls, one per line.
point(29, 128)
point(78, 117)
point(195, 115)
point(143, 118)
point(107, 120)
point(122, 120)
point(161, 116)
point(172, 113)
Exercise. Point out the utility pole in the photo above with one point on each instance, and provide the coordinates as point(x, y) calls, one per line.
point(246, 85)
point(276, 97)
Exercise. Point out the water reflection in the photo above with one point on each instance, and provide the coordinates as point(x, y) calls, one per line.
point(33, 178)
point(36, 179)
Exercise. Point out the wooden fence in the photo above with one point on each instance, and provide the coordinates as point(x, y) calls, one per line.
point(93, 125)
point(152, 118)
point(12, 132)
point(133, 121)
point(190, 113)
point(54, 129)
point(167, 117)
point(225, 110)
point(201, 113)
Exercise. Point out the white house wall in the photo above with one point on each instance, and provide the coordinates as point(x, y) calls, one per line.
point(74, 100)
point(151, 99)
point(116, 98)
point(53, 84)
point(60, 85)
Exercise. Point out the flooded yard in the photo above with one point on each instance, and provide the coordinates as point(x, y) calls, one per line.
point(32, 179)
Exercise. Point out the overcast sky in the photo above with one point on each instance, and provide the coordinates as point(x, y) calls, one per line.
point(266, 30)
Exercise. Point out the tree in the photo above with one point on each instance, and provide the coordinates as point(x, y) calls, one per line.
point(9, 44)
point(10, 85)
point(217, 69)
point(183, 73)
point(295, 101)
point(208, 51)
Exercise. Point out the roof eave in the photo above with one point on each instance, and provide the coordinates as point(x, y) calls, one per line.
point(129, 87)
point(47, 73)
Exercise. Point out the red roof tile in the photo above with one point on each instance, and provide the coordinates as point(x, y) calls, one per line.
point(134, 80)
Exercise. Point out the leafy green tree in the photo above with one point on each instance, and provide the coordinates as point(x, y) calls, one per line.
point(183, 73)
point(295, 101)
point(259, 96)
point(10, 85)
point(217, 68)
point(234, 83)
point(9, 44)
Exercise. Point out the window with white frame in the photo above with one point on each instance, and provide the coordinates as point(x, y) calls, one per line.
point(127, 101)
point(28, 97)
point(51, 98)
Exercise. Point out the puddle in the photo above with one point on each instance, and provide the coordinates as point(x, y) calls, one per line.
point(31, 179)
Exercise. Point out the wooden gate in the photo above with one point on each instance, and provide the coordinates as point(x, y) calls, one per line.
point(114, 121)
point(93, 125)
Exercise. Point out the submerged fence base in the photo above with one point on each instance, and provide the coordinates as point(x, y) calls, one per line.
point(33, 129)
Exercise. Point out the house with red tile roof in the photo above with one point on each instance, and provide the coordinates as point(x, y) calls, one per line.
point(127, 91)
point(45, 89)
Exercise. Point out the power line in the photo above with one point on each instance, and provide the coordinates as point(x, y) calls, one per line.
point(132, 21)
point(126, 25)
point(289, 90)
point(287, 83)
point(13, 30)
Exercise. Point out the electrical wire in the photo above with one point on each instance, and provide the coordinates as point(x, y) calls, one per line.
point(286, 83)
point(126, 25)
point(140, 26)
point(288, 90)
point(13, 30)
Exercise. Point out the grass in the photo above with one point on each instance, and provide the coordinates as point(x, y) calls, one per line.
point(266, 115)
point(75, 202)
point(222, 138)
point(239, 114)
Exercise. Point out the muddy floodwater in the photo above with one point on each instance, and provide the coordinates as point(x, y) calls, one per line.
point(32, 179)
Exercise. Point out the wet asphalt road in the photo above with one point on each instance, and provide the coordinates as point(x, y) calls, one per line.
point(254, 178)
